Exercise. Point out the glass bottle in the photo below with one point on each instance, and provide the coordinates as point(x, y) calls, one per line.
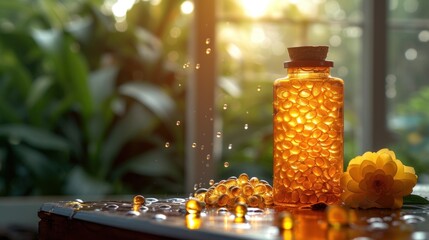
point(308, 129)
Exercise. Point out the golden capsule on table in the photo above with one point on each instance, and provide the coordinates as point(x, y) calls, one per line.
point(240, 210)
point(223, 200)
point(247, 189)
point(260, 188)
point(252, 201)
point(139, 200)
point(235, 191)
point(243, 178)
point(221, 188)
point(194, 206)
point(337, 216)
point(240, 200)
point(285, 220)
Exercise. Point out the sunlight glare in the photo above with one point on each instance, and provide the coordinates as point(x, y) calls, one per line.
point(120, 8)
point(255, 9)
point(187, 7)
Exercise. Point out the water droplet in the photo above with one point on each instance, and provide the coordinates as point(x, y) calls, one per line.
point(144, 209)
point(202, 147)
point(160, 217)
point(226, 164)
point(208, 157)
point(132, 213)
point(207, 165)
point(167, 144)
point(193, 221)
point(112, 206)
point(194, 145)
point(164, 207)
point(178, 123)
point(151, 200)
point(195, 186)
point(378, 226)
point(180, 84)
point(222, 210)
point(258, 88)
point(246, 126)
point(420, 235)
point(211, 182)
point(230, 146)
point(197, 66)
point(218, 134)
point(225, 106)
point(186, 65)
point(208, 50)
point(207, 40)
point(412, 219)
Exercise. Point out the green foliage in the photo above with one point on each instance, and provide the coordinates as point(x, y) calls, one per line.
point(84, 108)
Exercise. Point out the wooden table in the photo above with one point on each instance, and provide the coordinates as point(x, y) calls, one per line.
point(166, 219)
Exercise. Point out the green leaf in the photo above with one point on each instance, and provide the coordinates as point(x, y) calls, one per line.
point(136, 121)
point(81, 183)
point(153, 163)
point(415, 199)
point(102, 84)
point(33, 136)
point(152, 97)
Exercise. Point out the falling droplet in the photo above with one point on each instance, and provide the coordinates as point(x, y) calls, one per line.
point(225, 106)
point(207, 40)
point(246, 126)
point(186, 65)
point(226, 164)
point(194, 145)
point(211, 182)
point(208, 50)
point(180, 85)
point(167, 144)
point(202, 147)
point(197, 66)
point(195, 186)
point(230, 146)
point(178, 123)
point(218, 134)
point(259, 88)
point(208, 157)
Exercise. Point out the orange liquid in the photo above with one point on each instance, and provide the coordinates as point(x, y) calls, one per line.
point(308, 141)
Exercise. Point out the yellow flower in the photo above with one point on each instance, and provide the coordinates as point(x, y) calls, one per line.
point(377, 180)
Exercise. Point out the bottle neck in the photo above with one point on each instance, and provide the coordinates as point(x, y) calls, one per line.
point(308, 72)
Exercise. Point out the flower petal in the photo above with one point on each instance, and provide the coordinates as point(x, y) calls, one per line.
point(355, 172)
point(390, 168)
point(353, 186)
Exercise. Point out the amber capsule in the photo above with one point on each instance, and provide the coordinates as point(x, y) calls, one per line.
point(243, 178)
point(193, 206)
point(247, 189)
point(285, 221)
point(253, 201)
point(240, 210)
point(337, 216)
point(138, 200)
point(223, 200)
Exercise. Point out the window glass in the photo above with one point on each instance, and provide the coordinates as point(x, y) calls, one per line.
point(407, 85)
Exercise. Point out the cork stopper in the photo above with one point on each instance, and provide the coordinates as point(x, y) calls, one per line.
point(308, 56)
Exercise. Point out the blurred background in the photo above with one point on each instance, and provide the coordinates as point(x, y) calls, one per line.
point(93, 93)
